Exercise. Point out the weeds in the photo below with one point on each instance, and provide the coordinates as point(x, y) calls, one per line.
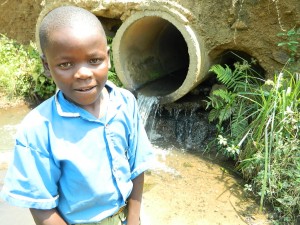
point(21, 72)
point(292, 43)
point(259, 126)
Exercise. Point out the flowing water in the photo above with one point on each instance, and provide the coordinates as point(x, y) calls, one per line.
point(9, 121)
point(148, 106)
point(184, 187)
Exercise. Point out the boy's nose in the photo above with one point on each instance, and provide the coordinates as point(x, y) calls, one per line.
point(83, 73)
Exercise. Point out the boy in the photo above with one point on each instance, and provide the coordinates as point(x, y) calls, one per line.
point(80, 156)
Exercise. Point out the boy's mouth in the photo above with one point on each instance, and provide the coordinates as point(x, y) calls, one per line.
point(85, 89)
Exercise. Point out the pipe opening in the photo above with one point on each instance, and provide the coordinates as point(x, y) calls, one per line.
point(110, 25)
point(155, 54)
point(230, 57)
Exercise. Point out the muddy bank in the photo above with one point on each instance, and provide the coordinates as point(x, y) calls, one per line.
point(6, 103)
point(18, 19)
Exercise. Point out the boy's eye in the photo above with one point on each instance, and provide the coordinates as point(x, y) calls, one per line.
point(65, 65)
point(95, 61)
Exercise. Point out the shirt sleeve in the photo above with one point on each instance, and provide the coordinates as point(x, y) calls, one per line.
point(31, 180)
point(140, 148)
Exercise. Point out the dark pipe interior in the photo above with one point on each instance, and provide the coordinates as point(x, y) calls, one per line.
point(110, 26)
point(230, 57)
point(155, 55)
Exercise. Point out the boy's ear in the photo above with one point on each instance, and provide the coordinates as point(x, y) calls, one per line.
point(108, 54)
point(46, 66)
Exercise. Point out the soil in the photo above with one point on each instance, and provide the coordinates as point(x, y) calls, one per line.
point(18, 19)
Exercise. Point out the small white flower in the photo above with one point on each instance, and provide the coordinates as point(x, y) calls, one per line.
point(288, 91)
point(288, 111)
point(248, 187)
point(279, 80)
point(233, 149)
point(269, 82)
point(222, 140)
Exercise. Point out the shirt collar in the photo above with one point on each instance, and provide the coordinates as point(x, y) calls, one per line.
point(66, 108)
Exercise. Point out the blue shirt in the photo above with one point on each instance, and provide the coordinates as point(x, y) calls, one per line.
point(64, 157)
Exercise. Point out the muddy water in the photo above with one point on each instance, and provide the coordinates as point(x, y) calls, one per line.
point(193, 189)
point(183, 188)
point(9, 121)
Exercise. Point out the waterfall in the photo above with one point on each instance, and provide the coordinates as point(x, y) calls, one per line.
point(182, 124)
point(148, 105)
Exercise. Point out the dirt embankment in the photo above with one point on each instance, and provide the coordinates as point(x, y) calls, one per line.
point(248, 26)
point(18, 19)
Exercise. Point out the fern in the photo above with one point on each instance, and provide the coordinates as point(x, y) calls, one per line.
point(231, 106)
point(213, 115)
point(223, 103)
point(238, 79)
point(224, 75)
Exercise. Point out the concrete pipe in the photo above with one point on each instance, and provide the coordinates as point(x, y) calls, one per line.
point(157, 53)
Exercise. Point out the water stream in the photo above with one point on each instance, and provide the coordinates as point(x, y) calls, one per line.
point(188, 186)
point(183, 188)
point(9, 121)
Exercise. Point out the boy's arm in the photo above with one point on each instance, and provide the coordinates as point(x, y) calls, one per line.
point(134, 201)
point(47, 217)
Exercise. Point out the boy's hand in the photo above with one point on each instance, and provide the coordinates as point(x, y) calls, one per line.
point(134, 201)
point(47, 217)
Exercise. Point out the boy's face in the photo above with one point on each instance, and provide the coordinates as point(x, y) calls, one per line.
point(78, 61)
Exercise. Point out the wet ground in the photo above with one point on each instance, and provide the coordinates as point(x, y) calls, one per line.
point(9, 120)
point(188, 189)
point(184, 188)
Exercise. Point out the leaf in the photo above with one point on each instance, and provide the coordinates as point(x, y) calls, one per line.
point(291, 32)
point(42, 79)
point(213, 115)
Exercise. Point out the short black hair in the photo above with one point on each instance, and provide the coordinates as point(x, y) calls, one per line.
point(66, 16)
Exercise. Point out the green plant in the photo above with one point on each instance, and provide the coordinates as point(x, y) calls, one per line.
point(291, 44)
point(112, 75)
point(280, 182)
point(21, 72)
point(258, 125)
point(232, 111)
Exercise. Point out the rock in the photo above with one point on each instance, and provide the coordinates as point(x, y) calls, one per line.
point(239, 25)
point(280, 56)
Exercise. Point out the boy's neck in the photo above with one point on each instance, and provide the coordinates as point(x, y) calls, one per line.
point(101, 112)
point(97, 109)
point(100, 109)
